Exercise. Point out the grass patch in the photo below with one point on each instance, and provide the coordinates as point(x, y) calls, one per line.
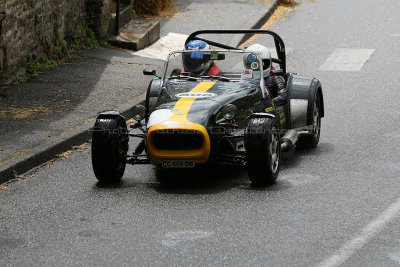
point(59, 52)
point(36, 67)
point(21, 78)
point(84, 37)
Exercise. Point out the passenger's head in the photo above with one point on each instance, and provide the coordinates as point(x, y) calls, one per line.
point(261, 52)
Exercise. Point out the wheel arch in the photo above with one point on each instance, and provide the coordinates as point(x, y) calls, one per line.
point(302, 92)
point(103, 120)
point(152, 91)
point(110, 114)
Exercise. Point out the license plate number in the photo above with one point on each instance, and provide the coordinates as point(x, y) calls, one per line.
point(178, 164)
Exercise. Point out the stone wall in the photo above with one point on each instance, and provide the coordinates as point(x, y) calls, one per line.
point(31, 28)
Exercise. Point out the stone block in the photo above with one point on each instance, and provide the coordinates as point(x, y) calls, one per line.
point(137, 34)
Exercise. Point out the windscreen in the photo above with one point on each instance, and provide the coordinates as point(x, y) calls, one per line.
point(227, 65)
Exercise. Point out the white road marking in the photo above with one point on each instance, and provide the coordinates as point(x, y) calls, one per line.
point(173, 238)
point(161, 48)
point(395, 257)
point(299, 179)
point(347, 59)
point(351, 247)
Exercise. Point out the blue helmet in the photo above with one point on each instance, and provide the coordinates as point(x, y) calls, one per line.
point(196, 62)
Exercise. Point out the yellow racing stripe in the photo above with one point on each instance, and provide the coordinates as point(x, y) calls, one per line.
point(179, 121)
point(184, 104)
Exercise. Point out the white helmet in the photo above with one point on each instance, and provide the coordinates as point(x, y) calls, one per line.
point(262, 52)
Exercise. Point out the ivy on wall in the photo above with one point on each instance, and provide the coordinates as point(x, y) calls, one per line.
point(94, 15)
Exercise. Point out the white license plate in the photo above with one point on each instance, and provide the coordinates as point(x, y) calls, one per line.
point(178, 164)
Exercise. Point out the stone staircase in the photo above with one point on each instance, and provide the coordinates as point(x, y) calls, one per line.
point(134, 33)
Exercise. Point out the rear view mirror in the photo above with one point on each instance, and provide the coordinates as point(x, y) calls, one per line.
point(149, 72)
point(214, 56)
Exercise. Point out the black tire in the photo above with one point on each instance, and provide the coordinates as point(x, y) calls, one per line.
point(109, 146)
point(263, 151)
point(312, 140)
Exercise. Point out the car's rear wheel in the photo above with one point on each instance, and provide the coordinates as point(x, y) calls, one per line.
point(311, 140)
point(109, 147)
point(263, 151)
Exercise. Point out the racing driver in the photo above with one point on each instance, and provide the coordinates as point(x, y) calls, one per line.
point(196, 63)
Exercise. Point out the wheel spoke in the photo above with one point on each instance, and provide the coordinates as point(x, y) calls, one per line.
point(316, 125)
point(274, 157)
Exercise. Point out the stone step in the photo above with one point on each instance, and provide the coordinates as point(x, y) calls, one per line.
point(125, 16)
point(139, 33)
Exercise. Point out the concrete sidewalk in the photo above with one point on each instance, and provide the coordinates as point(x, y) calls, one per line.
point(54, 111)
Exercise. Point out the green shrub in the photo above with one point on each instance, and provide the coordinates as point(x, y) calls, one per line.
point(36, 67)
point(84, 37)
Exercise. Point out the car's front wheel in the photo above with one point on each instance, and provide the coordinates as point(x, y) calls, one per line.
point(263, 150)
point(109, 146)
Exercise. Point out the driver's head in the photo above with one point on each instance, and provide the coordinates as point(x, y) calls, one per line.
point(261, 52)
point(196, 61)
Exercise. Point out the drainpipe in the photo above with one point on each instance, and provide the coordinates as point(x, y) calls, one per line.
point(2, 17)
point(117, 17)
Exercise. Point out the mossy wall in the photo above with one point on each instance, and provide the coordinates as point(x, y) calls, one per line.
point(33, 29)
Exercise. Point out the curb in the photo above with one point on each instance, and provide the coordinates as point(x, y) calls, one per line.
point(257, 23)
point(49, 150)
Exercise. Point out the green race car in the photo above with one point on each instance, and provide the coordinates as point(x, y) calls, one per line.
point(191, 119)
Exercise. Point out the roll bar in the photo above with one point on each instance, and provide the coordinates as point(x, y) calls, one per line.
point(279, 44)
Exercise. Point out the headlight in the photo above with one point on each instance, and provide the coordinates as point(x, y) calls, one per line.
point(229, 112)
point(138, 112)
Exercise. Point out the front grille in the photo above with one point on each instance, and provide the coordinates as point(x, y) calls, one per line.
point(178, 140)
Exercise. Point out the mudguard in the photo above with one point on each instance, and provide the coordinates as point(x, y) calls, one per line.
point(110, 114)
point(154, 88)
point(103, 121)
point(302, 92)
point(152, 91)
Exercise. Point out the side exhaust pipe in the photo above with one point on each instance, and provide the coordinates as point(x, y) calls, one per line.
point(289, 140)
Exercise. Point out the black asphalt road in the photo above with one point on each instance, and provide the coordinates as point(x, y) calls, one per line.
point(335, 204)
